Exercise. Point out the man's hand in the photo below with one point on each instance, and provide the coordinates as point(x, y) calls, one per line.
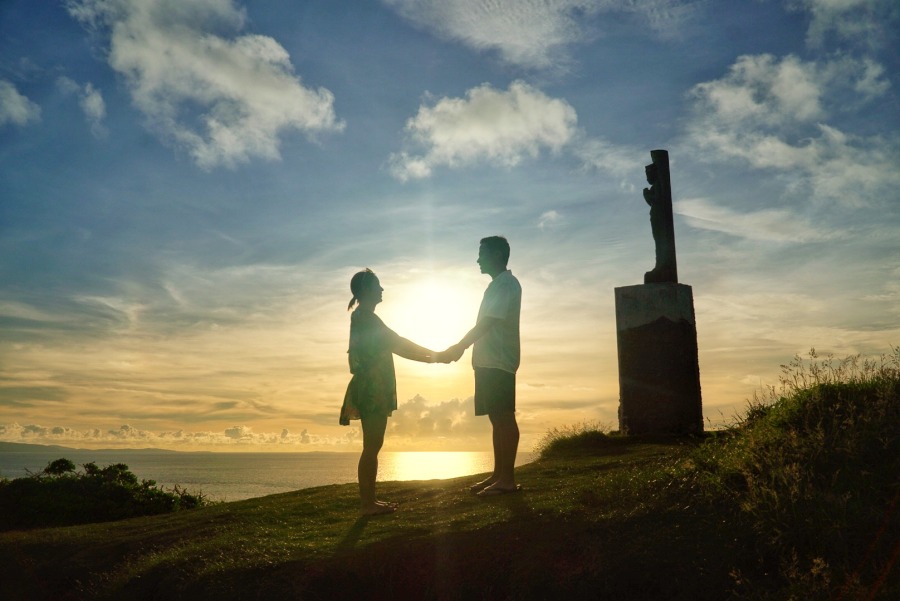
point(453, 353)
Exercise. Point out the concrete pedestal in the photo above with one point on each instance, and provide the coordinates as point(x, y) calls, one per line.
point(659, 374)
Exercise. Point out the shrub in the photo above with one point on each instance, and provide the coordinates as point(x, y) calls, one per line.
point(60, 496)
point(812, 467)
point(579, 438)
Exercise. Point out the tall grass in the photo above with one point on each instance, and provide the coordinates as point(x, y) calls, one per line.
point(576, 438)
point(814, 467)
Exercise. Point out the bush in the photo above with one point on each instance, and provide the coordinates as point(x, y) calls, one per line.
point(60, 496)
point(580, 438)
point(813, 468)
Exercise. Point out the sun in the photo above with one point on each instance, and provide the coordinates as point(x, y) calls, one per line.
point(429, 312)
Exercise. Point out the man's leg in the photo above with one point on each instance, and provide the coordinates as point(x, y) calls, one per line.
point(482, 484)
point(506, 445)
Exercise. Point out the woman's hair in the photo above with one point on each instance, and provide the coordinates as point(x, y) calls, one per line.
point(359, 283)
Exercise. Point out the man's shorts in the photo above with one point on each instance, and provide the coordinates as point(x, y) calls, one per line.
point(495, 391)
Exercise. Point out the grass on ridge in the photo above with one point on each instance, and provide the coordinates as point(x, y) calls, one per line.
point(793, 502)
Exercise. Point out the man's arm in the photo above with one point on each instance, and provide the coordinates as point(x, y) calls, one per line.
point(481, 328)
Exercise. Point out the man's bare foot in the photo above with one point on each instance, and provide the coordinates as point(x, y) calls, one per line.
point(497, 488)
point(480, 486)
point(377, 509)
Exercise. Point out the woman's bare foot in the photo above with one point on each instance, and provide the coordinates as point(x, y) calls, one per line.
point(480, 486)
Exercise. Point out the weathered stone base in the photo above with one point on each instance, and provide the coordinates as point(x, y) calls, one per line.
point(659, 373)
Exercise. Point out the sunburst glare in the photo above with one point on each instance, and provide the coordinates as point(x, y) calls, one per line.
point(432, 313)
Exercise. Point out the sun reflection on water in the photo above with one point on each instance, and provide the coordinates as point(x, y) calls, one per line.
point(429, 465)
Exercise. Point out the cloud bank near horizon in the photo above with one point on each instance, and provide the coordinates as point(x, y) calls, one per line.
point(449, 424)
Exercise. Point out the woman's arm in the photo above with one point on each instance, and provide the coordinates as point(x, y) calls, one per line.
point(410, 350)
point(399, 345)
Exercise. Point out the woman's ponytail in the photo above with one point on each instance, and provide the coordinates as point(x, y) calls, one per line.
point(358, 284)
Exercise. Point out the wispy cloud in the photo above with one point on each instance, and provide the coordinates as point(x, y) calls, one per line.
point(496, 126)
point(15, 108)
point(532, 33)
point(772, 225)
point(598, 154)
point(225, 98)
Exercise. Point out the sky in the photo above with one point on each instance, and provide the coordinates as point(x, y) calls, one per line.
point(187, 187)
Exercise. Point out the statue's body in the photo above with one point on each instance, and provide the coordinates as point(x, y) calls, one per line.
point(659, 197)
point(656, 332)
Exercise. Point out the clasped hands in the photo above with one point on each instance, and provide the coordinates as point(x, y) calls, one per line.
point(451, 354)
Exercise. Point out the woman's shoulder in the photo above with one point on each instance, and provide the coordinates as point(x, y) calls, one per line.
point(365, 319)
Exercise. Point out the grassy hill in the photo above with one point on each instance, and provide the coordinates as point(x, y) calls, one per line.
point(797, 501)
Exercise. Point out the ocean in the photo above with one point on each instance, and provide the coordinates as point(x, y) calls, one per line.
point(238, 476)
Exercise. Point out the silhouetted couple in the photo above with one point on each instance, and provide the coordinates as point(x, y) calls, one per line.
point(372, 393)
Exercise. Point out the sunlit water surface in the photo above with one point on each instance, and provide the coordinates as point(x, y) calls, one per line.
point(237, 476)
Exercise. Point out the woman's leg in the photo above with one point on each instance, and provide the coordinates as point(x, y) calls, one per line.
point(373, 428)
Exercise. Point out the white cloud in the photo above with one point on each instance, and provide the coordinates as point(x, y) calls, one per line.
point(549, 219)
point(772, 114)
point(764, 90)
point(226, 99)
point(500, 127)
point(419, 419)
point(16, 108)
point(872, 83)
point(852, 20)
point(530, 33)
point(94, 109)
point(239, 432)
point(91, 102)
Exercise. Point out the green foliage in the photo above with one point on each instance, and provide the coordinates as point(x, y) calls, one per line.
point(59, 467)
point(813, 468)
point(60, 496)
point(579, 438)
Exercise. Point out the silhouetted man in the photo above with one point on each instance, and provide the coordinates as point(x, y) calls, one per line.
point(495, 360)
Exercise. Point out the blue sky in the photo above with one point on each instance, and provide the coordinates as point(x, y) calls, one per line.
point(186, 188)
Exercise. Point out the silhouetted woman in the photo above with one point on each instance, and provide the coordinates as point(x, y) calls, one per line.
point(372, 393)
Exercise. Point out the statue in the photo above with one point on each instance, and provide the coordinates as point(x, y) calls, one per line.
point(659, 197)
